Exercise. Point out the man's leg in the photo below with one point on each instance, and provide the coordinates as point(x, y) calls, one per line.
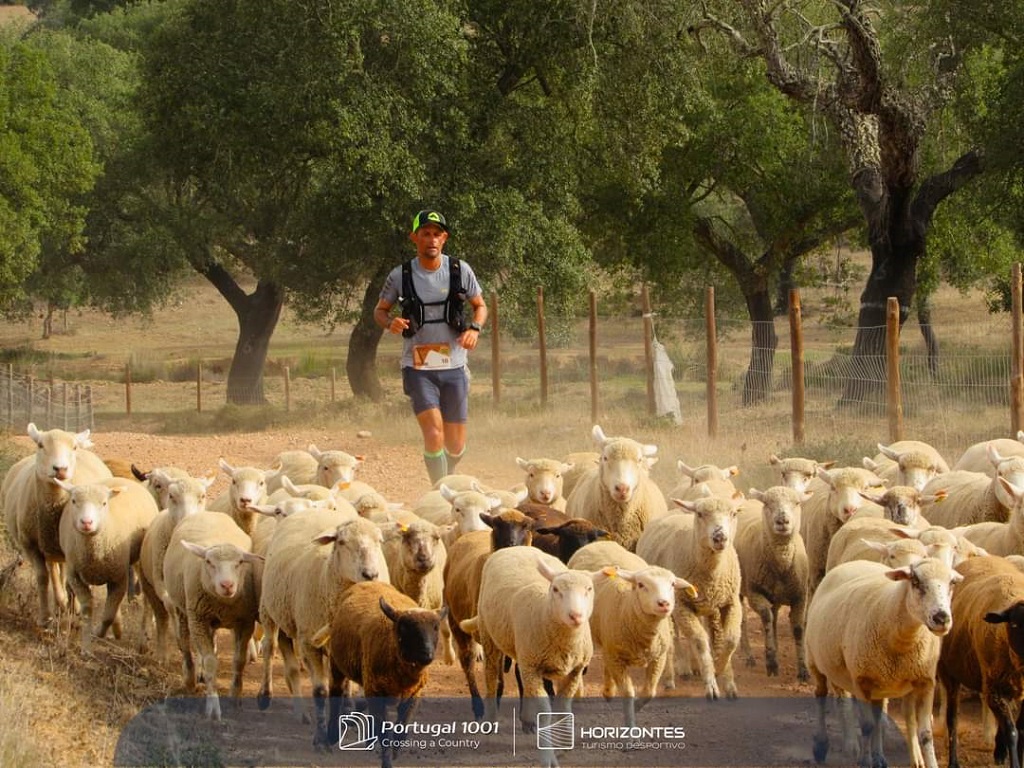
point(433, 443)
point(454, 396)
point(454, 444)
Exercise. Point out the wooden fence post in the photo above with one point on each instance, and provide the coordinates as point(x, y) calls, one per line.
point(49, 403)
point(712, 362)
point(334, 382)
point(287, 389)
point(31, 399)
point(199, 386)
point(645, 300)
point(495, 351)
point(128, 388)
point(593, 358)
point(892, 364)
point(543, 344)
point(90, 415)
point(65, 398)
point(1017, 356)
point(78, 407)
point(10, 392)
point(796, 340)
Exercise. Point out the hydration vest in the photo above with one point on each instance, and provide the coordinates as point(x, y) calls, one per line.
point(413, 307)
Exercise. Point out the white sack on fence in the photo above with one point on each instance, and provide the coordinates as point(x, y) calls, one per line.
point(666, 399)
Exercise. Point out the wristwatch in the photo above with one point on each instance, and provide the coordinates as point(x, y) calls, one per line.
point(475, 326)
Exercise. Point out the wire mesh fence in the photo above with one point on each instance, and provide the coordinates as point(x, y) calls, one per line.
point(954, 391)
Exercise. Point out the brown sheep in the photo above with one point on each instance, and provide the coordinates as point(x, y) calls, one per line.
point(382, 640)
point(558, 534)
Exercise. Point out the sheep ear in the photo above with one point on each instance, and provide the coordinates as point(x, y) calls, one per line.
point(993, 455)
point(774, 460)
point(548, 529)
point(823, 474)
point(826, 464)
point(327, 537)
point(250, 557)
point(874, 498)
point(546, 570)
point(936, 497)
point(390, 612)
point(869, 464)
point(447, 493)
point(565, 466)
point(322, 636)
point(598, 436)
point(523, 464)
point(521, 496)
point(207, 481)
point(443, 613)
point(196, 549)
point(488, 519)
point(34, 433)
point(685, 469)
point(806, 496)
point(730, 472)
point(622, 573)
point(905, 533)
point(82, 439)
point(270, 510)
point(755, 494)
point(226, 468)
point(139, 474)
point(900, 574)
point(888, 452)
point(687, 587)
point(876, 545)
point(998, 617)
point(313, 451)
point(689, 506)
point(1015, 493)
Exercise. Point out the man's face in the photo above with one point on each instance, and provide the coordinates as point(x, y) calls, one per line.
point(429, 240)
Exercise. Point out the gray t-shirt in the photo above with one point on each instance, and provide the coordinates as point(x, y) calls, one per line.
point(434, 345)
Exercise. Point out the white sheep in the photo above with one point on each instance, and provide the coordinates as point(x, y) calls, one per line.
point(619, 495)
point(797, 472)
point(248, 486)
point(704, 480)
point(579, 463)
point(773, 569)
point(836, 497)
point(536, 611)
point(859, 540)
point(902, 504)
point(699, 547)
point(32, 504)
point(184, 497)
point(101, 532)
point(211, 585)
point(544, 481)
point(974, 497)
point(875, 632)
point(462, 573)
point(313, 467)
point(976, 459)
point(415, 554)
point(632, 619)
point(313, 557)
point(1000, 538)
point(907, 462)
point(158, 479)
point(463, 508)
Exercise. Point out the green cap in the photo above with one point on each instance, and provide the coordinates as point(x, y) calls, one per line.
point(429, 216)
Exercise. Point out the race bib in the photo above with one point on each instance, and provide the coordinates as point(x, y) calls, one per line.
point(432, 356)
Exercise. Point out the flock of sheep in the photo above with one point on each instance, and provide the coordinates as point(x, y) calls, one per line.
point(897, 574)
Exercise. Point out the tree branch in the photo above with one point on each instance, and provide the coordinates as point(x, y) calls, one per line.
point(937, 188)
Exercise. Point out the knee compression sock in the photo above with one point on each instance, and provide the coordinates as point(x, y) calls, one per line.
point(437, 465)
point(454, 458)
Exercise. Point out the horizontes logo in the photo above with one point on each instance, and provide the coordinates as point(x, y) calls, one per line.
point(356, 732)
point(556, 730)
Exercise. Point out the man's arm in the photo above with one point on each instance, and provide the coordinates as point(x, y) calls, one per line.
point(469, 337)
point(382, 316)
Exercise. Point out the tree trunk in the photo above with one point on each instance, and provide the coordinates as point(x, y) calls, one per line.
point(257, 320)
point(361, 365)
point(757, 385)
point(787, 281)
point(897, 243)
point(931, 341)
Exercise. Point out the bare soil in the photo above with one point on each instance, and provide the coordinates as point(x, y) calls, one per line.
point(77, 706)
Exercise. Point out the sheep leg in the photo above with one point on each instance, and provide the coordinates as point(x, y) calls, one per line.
point(314, 659)
point(820, 742)
point(1007, 726)
point(83, 592)
point(266, 691)
point(202, 636)
point(918, 712)
point(765, 610)
point(652, 676)
point(951, 697)
point(112, 609)
point(160, 617)
point(38, 563)
point(339, 703)
point(243, 636)
point(447, 648)
point(292, 669)
point(624, 683)
point(493, 661)
point(871, 734)
point(56, 578)
point(185, 646)
point(725, 633)
point(796, 622)
point(466, 655)
point(692, 627)
point(745, 649)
